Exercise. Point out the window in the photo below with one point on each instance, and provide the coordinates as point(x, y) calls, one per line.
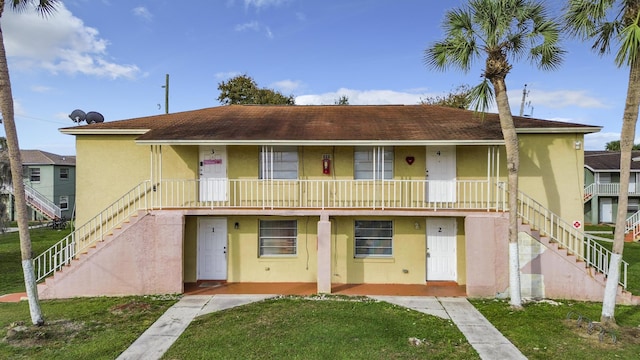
point(373, 163)
point(64, 202)
point(34, 174)
point(64, 173)
point(279, 162)
point(373, 238)
point(278, 237)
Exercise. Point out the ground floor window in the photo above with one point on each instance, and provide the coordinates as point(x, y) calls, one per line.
point(373, 238)
point(278, 237)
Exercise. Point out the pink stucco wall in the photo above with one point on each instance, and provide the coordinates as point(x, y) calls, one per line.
point(142, 258)
point(487, 254)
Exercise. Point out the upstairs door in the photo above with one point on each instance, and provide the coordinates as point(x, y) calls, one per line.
point(213, 173)
point(441, 249)
point(441, 174)
point(212, 249)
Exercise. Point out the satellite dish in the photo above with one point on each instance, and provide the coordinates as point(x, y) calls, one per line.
point(94, 117)
point(78, 116)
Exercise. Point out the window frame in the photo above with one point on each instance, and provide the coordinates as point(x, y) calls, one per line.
point(281, 225)
point(379, 251)
point(66, 171)
point(373, 163)
point(63, 199)
point(278, 163)
point(33, 175)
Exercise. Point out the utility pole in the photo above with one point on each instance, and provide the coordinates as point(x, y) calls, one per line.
point(524, 96)
point(166, 94)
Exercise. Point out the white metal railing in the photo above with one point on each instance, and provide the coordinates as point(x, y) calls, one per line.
point(38, 201)
point(633, 224)
point(609, 189)
point(87, 235)
point(323, 194)
point(272, 194)
point(574, 240)
point(589, 191)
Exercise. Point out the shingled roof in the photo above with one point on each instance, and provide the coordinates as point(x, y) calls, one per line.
point(335, 123)
point(39, 157)
point(608, 161)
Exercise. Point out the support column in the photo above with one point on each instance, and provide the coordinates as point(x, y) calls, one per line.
point(324, 254)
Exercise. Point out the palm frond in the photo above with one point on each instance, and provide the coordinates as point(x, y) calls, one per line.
point(42, 7)
point(481, 97)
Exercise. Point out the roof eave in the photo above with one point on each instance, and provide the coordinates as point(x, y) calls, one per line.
point(584, 130)
point(77, 131)
point(323, 142)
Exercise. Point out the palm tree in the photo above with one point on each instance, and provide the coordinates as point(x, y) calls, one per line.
point(502, 31)
point(44, 7)
point(606, 22)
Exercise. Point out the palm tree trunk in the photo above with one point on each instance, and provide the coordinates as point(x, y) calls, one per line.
point(627, 137)
point(513, 164)
point(6, 106)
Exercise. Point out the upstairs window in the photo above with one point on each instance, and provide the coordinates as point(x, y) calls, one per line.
point(373, 163)
point(278, 238)
point(34, 174)
point(64, 173)
point(279, 162)
point(373, 238)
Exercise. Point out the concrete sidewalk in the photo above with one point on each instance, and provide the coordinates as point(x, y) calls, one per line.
point(484, 337)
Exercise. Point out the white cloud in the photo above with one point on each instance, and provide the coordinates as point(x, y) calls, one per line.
point(361, 97)
point(558, 99)
point(40, 88)
point(143, 13)
point(259, 4)
point(59, 43)
point(248, 26)
point(599, 140)
point(269, 33)
point(227, 75)
point(286, 86)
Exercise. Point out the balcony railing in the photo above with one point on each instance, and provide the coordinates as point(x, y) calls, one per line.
point(608, 189)
point(328, 194)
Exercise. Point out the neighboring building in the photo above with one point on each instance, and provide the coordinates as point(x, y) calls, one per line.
point(602, 186)
point(50, 182)
point(327, 195)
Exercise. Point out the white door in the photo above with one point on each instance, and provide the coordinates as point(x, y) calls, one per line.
point(212, 248)
point(441, 249)
point(632, 183)
point(213, 173)
point(606, 210)
point(441, 174)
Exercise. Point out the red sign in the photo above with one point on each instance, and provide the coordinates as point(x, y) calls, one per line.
point(577, 224)
point(212, 162)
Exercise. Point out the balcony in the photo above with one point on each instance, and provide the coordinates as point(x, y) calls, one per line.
point(608, 189)
point(327, 194)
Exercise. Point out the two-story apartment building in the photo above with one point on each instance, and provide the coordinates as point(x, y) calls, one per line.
point(50, 181)
point(602, 186)
point(321, 194)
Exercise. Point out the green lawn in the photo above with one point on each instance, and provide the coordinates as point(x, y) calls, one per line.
point(101, 328)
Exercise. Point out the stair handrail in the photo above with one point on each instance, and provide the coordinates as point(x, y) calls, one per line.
point(589, 190)
point(38, 201)
point(94, 230)
point(574, 240)
point(633, 224)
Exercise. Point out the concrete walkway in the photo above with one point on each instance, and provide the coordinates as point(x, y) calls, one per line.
point(483, 336)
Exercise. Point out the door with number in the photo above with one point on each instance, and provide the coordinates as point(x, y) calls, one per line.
point(441, 174)
point(441, 249)
point(212, 248)
point(213, 173)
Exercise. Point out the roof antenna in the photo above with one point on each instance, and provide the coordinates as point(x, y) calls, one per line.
point(525, 93)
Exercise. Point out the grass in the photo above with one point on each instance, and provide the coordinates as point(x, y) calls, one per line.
point(10, 258)
point(87, 328)
point(543, 331)
point(303, 328)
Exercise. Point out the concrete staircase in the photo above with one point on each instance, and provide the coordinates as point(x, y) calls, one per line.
point(550, 259)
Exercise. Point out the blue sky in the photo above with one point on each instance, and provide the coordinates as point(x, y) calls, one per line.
point(112, 57)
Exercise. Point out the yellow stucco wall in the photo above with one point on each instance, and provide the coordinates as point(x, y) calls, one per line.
point(552, 172)
point(107, 167)
point(244, 264)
